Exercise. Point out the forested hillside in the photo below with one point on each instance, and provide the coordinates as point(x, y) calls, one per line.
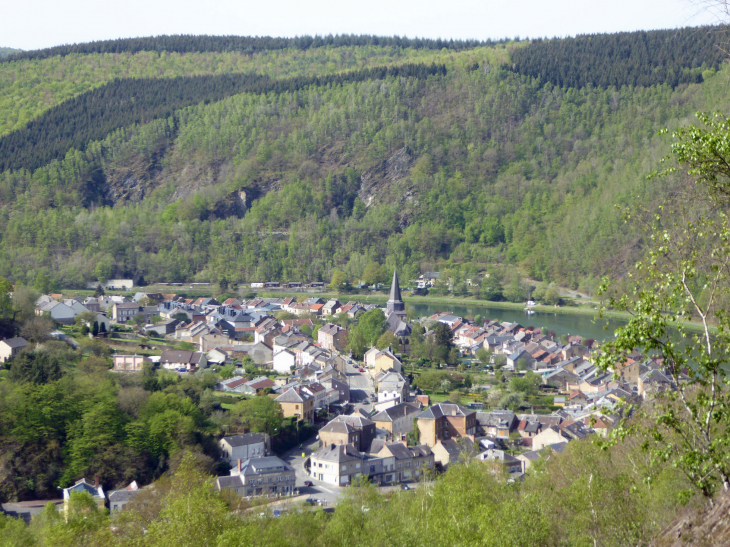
point(673, 57)
point(469, 164)
point(6, 51)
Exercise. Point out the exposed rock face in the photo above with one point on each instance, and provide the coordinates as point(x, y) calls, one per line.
point(380, 180)
point(702, 528)
point(232, 205)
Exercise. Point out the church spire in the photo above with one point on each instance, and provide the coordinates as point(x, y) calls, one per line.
point(395, 303)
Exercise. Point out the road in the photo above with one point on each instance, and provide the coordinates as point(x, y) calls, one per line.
point(361, 389)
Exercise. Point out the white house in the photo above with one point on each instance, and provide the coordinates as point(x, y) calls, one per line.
point(10, 348)
point(336, 464)
point(246, 446)
point(285, 361)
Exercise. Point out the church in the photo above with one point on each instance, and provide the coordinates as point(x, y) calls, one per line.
point(395, 314)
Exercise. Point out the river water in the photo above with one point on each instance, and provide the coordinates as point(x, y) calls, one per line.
point(580, 325)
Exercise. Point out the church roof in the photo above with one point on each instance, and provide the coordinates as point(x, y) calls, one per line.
point(395, 289)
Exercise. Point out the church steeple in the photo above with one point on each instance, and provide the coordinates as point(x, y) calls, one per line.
point(395, 303)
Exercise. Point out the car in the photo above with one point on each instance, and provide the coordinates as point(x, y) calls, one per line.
point(310, 501)
point(405, 487)
point(181, 369)
point(308, 483)
point(361, 369)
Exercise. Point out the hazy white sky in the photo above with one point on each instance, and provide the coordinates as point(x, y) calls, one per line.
point(32, 24)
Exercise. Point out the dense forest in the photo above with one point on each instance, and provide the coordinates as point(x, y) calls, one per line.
point(95, 114)
point(247, 44)
point(6, 51)
point(464, 169)
point(673, 57)
point(30, 87)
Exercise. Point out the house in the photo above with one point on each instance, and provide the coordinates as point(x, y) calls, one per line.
point(118, 499)
point(245, 446)
point(343, 390)
point(232, 385)
point(509, 463)
point(265, 476)
point(447, 451)
point(112, 284)
point(384, 361)
point(360, 432)
point(295, 402)
point(253, 386)
point(397, 420)
point(210, 341)
point(57, 311)
point(173, 358)
point(11, 347)
point(285, 361)
point(94, 490)
point(318, 392)
point(528, 429)
point(27, 510)
point(339, 432)
point(336, 464)
point(528, 458)
point(498, 424)
point(369, 357)
point(330, 308)
point(91, 303)
point(123, 312)
point(100, 319)
point(393, 386)
point(129, 363)
point(444, 421)
point(514, 359)
point(549, 436)
point(332, 337)
point(164, 328)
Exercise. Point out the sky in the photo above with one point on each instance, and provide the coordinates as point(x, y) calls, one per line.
point(35, 24)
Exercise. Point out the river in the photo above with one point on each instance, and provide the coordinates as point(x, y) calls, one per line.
point(562, 323)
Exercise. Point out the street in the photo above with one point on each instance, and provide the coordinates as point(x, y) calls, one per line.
point(361, 389)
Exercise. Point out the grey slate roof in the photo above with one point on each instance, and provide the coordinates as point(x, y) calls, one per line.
point(245, 439)
point(338, 453)
point(122, 495)
point(395, 412)
point(447, 408)
point(293, 396)
point(337, 427)
point(16, 342)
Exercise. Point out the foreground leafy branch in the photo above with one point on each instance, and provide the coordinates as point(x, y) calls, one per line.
point(684, 279)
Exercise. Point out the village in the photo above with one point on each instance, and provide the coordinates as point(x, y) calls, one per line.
point(372, 416)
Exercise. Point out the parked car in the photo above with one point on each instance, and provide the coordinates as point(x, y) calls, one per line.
point(308, 483)
point(182, 369)
point(361, 369)
point(309, 501)
point(405, 487)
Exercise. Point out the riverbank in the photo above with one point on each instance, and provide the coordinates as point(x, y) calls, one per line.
point(412, 299)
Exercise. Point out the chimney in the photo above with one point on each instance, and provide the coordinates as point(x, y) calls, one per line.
point(239, 466)
point(404, 442)
point(96, 482)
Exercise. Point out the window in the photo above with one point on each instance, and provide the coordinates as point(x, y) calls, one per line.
point(296, 407)
point(357, 466)
point(408, 465)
